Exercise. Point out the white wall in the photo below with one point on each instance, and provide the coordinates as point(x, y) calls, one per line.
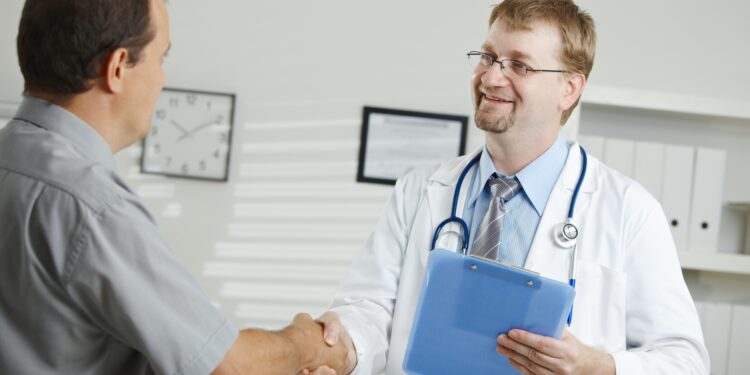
point(671, 46)
point(303, 70)
point(291, 52)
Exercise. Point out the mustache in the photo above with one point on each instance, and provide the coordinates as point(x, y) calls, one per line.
point(496, 95)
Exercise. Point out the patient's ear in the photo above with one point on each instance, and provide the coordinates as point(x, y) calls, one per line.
point(114, 70)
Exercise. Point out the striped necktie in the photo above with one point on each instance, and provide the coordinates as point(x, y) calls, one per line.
point(487, 239)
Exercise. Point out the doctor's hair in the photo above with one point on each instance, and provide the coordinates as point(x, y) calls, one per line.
point(63, 44)
point(576, 30)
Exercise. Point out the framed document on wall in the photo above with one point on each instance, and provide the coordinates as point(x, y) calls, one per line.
point(393, 142)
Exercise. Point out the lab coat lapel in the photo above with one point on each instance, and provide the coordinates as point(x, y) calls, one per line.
point(545, 256)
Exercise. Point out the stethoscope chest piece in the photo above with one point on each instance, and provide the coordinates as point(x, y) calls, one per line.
point(565, 234)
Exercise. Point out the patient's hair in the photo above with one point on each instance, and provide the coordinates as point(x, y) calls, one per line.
point(63, 44)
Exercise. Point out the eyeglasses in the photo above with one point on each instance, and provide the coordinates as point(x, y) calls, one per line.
point(482, 62)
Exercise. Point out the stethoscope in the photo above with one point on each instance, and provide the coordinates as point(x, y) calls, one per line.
point(564, 234)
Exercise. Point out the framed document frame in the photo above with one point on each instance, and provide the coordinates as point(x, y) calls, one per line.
point(393, 142)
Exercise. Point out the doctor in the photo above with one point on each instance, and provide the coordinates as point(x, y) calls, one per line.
point(632, 314)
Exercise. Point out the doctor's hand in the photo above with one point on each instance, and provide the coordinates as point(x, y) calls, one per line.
point(306, 335)
point(540, 355)
point(333, 333)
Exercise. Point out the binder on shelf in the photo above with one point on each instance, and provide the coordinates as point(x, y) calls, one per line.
point(739, 361)
point(648, 167)
point(618, 154)
point(593, 144)
point(707, 198)
point(676, 191)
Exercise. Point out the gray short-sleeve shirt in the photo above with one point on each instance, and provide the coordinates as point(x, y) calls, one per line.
point(87, 283)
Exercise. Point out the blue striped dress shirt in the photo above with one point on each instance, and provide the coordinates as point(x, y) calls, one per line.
point(524, 211)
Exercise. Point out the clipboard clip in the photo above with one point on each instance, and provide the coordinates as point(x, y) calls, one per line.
point(474, 267)
point(533, 275)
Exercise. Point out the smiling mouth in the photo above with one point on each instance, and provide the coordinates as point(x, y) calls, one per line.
point(495, 99)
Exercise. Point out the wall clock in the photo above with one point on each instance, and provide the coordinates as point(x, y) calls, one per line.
point(190, 136)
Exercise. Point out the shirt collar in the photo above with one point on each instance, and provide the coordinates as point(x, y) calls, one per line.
point(81, 135)
point(537, 179)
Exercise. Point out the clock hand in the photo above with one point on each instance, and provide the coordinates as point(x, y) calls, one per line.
point(179, 127)
point(197, 128)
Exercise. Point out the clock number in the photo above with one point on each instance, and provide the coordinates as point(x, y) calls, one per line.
point(157, 148)
point(154, 130)
point(174, 102)
point(191, 99)
point(169, 161)
point(217, 154)
point(219, 119)
point(161, 114)
point(208, 104)
point(223, 137)
point(202, 165)
point(184, 168)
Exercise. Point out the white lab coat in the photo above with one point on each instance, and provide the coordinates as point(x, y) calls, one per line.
point(631, 299)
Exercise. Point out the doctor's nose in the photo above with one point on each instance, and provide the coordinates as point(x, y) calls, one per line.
point(495, 76)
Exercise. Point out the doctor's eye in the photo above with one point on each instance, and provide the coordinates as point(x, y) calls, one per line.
point(518, 67)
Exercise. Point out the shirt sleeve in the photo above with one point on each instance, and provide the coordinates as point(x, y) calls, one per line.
point(131, 285)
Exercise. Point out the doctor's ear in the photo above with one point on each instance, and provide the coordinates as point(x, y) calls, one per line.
point(573, 84)
point(114, 69)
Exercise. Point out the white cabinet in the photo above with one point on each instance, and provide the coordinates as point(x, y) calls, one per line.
point(593, 145)
point(739, 361)
point(716, 320)
point(618, 154)
point(648, 166)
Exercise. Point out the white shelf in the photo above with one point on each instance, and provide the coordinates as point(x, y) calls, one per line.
point(715, 262)
point(663, 101)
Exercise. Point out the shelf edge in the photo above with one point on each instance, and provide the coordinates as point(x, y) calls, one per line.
point(664, 101)
point(715, 262)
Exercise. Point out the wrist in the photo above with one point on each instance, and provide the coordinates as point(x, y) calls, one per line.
point(295, 338)
point(604, 364)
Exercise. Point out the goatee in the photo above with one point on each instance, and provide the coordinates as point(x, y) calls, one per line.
point(498, 125)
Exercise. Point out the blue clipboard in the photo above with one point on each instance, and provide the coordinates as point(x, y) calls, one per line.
point(467, 302)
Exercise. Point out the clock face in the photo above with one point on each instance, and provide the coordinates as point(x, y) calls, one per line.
point(190, 135)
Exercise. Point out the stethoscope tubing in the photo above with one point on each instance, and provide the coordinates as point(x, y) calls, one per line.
point(453, 218)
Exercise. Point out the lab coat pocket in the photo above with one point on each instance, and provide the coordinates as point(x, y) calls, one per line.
point(599, 307)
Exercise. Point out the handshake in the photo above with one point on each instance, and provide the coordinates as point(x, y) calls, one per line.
point(324, 346)
point(305, 347)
